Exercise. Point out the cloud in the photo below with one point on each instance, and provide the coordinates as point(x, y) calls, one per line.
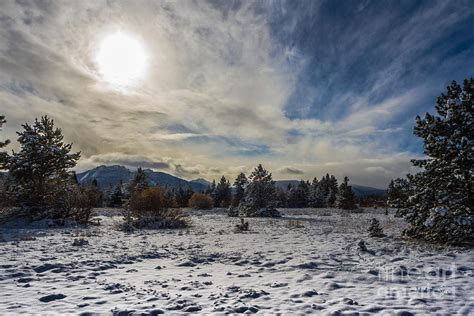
point(290, 170)
point(234, 84)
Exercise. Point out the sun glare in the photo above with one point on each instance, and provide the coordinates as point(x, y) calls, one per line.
point(121, 59)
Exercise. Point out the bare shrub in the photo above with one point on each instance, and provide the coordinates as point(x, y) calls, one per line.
point(152, 207)
point(201, 201)
point(243, 226)
point(78, 203)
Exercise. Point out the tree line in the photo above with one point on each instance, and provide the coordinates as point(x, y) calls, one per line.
point(436, 202)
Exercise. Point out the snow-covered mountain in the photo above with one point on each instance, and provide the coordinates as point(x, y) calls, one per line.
point(112, 175)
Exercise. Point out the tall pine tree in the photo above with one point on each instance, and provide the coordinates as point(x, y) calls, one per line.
point(316, 195)
point(40, 170)
point(345, 196)
point(260, 199)
point(223, 194)
point(439, 207)
point(3, 155)
point(239, 184)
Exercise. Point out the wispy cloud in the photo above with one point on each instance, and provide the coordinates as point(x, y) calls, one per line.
point(313, 86)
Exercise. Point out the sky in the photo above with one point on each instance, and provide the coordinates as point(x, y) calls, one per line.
point(201, 89)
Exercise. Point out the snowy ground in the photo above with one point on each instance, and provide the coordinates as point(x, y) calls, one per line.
point(306, 262)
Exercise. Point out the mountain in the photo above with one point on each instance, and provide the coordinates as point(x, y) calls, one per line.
point(201, 181)
point(359, 190)
point(362, 191)
point(112, 175)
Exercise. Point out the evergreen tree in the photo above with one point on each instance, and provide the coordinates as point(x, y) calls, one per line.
point(239, 184)
point(211, 189)
point(116, 196)
point(316, 196)
point(374, 229)
point(3, 121)
point(3, 155)
point(182, 196)
point(281, 197)
point(223, 194)
point(298, 196)
point(333, 191)
point(260, 191)
point(139, 182)
point(345, 197)
point(439, 207)
point(397, 193)
point(40, 170)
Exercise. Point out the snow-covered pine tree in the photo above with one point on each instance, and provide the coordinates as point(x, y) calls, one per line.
point(239, 184)
point(345, 196)
point(316, 197)
point(281, 197)
point(298, 195)
point(260, 197)
point(3, 121)
point(374, 229)
point(398, 193)
point(40, 170)
point(223, 194)
point(3, 155)
point(333, 191)
point(439, 208)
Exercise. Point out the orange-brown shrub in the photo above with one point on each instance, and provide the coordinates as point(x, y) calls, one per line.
point(200, 201)
point(153, 207)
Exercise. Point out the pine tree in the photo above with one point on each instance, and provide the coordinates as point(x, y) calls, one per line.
point(281, 197)
point(260, 199)
point(223, 194)
point(439, 207)
point(211, 189)
point(298, 196)
point(182, 196)
point(3, 121)
point(3, 155)
point(139, 182)
point(398, 193)
point(116, 197)
point(333, 191)
point(316, 195)
point(239, 184)
point(345, 197)
point(374, 229)
point(40, 170)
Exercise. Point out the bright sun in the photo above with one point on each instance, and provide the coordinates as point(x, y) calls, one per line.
point(121, 59)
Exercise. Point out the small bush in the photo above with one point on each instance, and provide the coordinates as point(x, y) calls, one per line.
point(201, 201)
point(374, 229)
point(78, 203)
point(243, 226)
point(152, 208)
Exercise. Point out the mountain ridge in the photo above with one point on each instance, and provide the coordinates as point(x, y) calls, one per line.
point(112, 175)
